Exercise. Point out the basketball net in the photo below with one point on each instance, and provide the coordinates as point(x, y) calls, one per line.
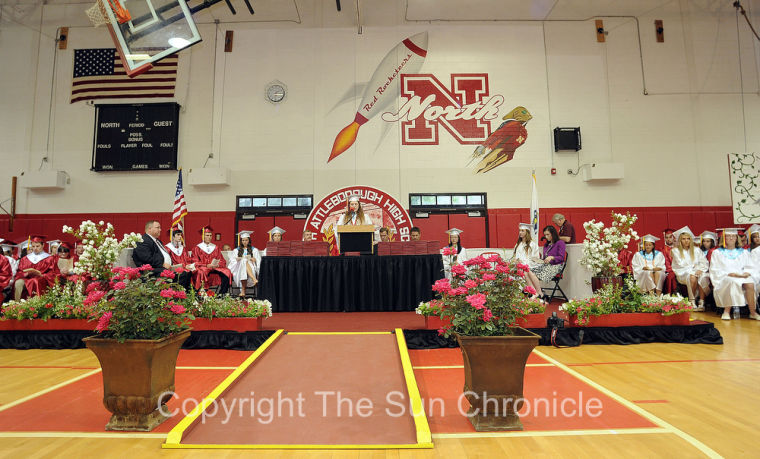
point(98, 15)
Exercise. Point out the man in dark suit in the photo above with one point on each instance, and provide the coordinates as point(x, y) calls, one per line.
point(152, 252)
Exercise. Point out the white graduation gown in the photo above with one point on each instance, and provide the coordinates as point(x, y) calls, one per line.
point(238, 266)
point(728, 290)
point(530, 256)
point(447, 259)
point(14, 265)
point(686, 265)
point(754, 257)
point(645, 278)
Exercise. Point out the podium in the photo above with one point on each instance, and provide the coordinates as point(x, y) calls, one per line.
point(355, 238)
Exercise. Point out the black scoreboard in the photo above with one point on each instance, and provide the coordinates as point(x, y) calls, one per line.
point(132, 137)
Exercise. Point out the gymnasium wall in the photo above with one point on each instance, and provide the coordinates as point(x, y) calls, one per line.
point(501, 223)
point(673, 140)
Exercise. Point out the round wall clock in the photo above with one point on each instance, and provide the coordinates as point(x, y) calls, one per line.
point(276, 92)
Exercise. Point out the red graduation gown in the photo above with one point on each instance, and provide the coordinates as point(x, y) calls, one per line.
point(671, 284)
point(37, 285)
point(201, 259)
point(624, 261)
point(181, 259)
point(6, 274)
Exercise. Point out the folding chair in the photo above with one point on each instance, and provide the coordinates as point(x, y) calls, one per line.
point(551, 291)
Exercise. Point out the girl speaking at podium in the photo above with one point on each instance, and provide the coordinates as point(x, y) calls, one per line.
point(354, 216)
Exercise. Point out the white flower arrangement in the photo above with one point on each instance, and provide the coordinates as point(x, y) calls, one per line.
point(264, 304)
point(602, 245)
point(101, 248)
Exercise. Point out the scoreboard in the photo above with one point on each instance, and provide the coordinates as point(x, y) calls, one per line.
point(130, 137)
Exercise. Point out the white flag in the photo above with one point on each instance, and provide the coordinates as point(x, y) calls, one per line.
point(534, 208)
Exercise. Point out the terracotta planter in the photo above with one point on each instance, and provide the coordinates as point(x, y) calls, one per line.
point(238, 324)
point(634, 319)
point(532, 321)
point(50, 324)
point(435, 322)
point(597, 282)
point(494, 370)
point(138, 379)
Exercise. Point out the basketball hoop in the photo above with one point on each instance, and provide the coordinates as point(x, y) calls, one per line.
point(98, 15)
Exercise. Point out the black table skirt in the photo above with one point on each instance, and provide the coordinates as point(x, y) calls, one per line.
point(336, 284)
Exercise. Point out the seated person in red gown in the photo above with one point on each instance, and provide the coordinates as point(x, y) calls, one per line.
point(6, 276)
point(7, 247)
point(178, 252)
point(36, 271)
point(78, 251)
point(671, 285)
point(210, 265)
point(624, 261)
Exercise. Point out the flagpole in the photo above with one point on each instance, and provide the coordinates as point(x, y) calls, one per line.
point(534, 205)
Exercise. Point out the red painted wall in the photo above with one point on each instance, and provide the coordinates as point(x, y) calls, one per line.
point(502, 223)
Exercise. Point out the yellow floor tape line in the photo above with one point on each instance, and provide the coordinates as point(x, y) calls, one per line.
point(174, 437)
point(424, 437)
point(706, 450)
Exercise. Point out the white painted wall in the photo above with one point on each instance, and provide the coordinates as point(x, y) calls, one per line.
point(671, 125)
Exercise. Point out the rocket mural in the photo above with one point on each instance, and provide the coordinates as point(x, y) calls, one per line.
point(500, 146)
point(407, 57)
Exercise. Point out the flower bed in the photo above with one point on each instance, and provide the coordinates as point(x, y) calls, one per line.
point(611, 307)
point(51, 324)
point(633, 319)
point(238, 324)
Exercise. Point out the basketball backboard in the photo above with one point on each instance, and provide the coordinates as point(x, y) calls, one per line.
point(155, 29)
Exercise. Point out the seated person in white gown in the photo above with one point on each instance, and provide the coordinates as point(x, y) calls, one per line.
point(690, 267)
point(754, 252)
point(455, 242)
point(275, 235)
point(527, 252)
point(732, 274)
point(649, 266)
point(244, 263)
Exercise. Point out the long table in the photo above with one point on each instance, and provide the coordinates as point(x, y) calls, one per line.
point(337, 284)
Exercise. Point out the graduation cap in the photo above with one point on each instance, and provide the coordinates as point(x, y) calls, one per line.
point(56, 242)
point(7, 245)
point(38, 238)
point(649, 238)
point(734, 231)
point(667, 230)
point(206, 229)
point(709, 235)
point(354, 198)
point(684, 230)
point(526, 226)
point(65, 246)
point(454, 232)
point(24, 245)
point(729, 231)
point(275, 230)
point(753, 229)
point(243, 234)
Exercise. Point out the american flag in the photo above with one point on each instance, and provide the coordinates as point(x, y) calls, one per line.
point(180, 206)
point(99, 74)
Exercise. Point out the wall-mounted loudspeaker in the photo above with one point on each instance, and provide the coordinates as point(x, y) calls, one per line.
point(567, 138)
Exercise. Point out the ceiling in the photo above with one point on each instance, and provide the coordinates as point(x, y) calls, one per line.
point(377, 13)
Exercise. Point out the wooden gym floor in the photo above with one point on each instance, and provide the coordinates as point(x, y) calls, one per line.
point(703, 398)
